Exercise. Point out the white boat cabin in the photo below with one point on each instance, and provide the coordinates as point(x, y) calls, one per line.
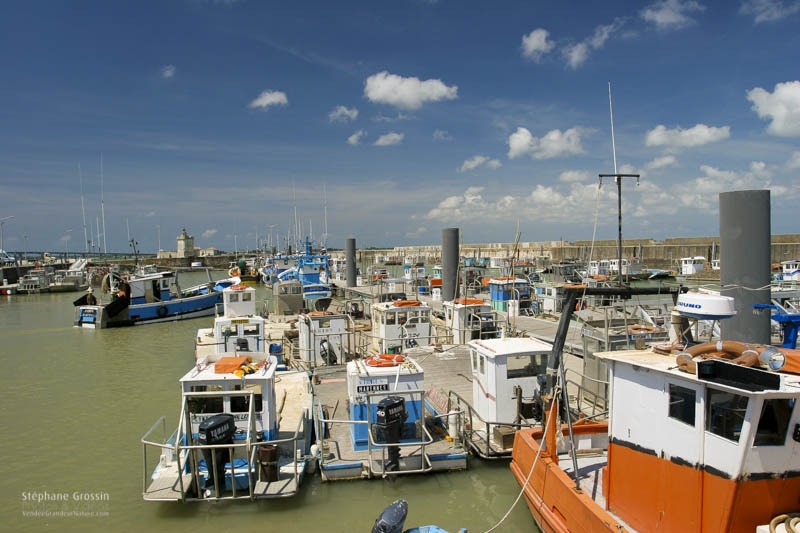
point(401, 324)
point(322, 337)
point(737, 423)
point(238, 330)
point(628, 267)
point(468, 319)
point(598, 268)
point(499, 366)
point(790, 270)
point(692, 265)
point(413, 272)
point(216, 387)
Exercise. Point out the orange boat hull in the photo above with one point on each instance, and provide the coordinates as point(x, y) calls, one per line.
point(647, 492)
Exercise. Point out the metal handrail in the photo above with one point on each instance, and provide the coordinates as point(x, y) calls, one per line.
point(486, 452)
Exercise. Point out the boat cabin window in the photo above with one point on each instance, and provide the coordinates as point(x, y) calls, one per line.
point(246, 297)
point(725, 414)
point(233, 298)
point(389, 319)
point(482, 364)
point(241, 404)
point(205, 404)
point(250, 330)
point(324, 323)
point(525, 365)
point(681, 404)
point(774, 422)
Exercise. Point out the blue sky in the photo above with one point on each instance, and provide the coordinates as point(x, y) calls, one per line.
point(397, 119)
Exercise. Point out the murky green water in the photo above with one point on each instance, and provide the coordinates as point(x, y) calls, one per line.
point(76, 403)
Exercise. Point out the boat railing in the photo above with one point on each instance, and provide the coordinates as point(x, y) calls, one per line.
point(416, 447)
point(379, 450)
point(588, 403)
point(476, 431)
point(180, 449)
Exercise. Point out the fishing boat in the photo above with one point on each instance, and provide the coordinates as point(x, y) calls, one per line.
point(246, 271)
point(36, 280)
point(245, 420)
point(398, 325)
point(148, 298)
point(72, 279)
point(373, 419)
point(312, 272)
point(705, 439)
point(505, 381)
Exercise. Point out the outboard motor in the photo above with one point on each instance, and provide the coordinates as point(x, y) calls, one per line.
point(391, 415)
point(218, 429)
point(392, 519)
point(327, 353)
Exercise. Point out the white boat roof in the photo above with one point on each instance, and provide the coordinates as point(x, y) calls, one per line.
point(205, 372)
point(666, 364)
point(511, 346)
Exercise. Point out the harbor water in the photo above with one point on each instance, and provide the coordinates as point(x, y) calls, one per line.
point(76, 403)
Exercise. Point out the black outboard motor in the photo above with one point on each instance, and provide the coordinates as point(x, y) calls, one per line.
point(390, 418)
point(218, 429)
point(327, 353)
point(392, 519)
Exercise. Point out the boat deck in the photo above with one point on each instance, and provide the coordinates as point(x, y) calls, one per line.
point(444, 371)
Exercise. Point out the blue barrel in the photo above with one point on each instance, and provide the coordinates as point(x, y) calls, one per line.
point(423, 289)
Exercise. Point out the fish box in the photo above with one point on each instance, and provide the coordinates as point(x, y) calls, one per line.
point(505, 435)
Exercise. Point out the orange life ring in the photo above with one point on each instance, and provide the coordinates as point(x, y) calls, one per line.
point(640, 328)
point(385, 359)
point(238, 287)
point(234, 271)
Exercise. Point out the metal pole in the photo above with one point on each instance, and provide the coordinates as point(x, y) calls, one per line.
point(618, 178)
point(2, 221)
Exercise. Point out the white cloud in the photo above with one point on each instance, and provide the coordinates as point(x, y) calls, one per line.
point(768, 10)
point(703, 192)
point(355, 138)
point(168, 71)
point(477, 161)
point(794, 161)
point(406, 93)
point(269, 98)
point(207, 234)
point(389, 139)
point(536, 44)
point(697, 135)
point(663, 161)
point(342, 114)
point(554, 144)
point(397, 118)
point(671, 14)
point(571, 176)
point(782, 107)
point(416, 232)
point(576, 54)
point(442, 135)
point(470, 205)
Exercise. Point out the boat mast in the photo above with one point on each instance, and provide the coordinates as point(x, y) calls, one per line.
point(83, 211)
point(618, 179)
point(103, 206)
point(325, 210)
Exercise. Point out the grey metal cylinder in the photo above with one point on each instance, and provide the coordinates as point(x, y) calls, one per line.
point(450, 260)
point(745, 262)
point(350, 261)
